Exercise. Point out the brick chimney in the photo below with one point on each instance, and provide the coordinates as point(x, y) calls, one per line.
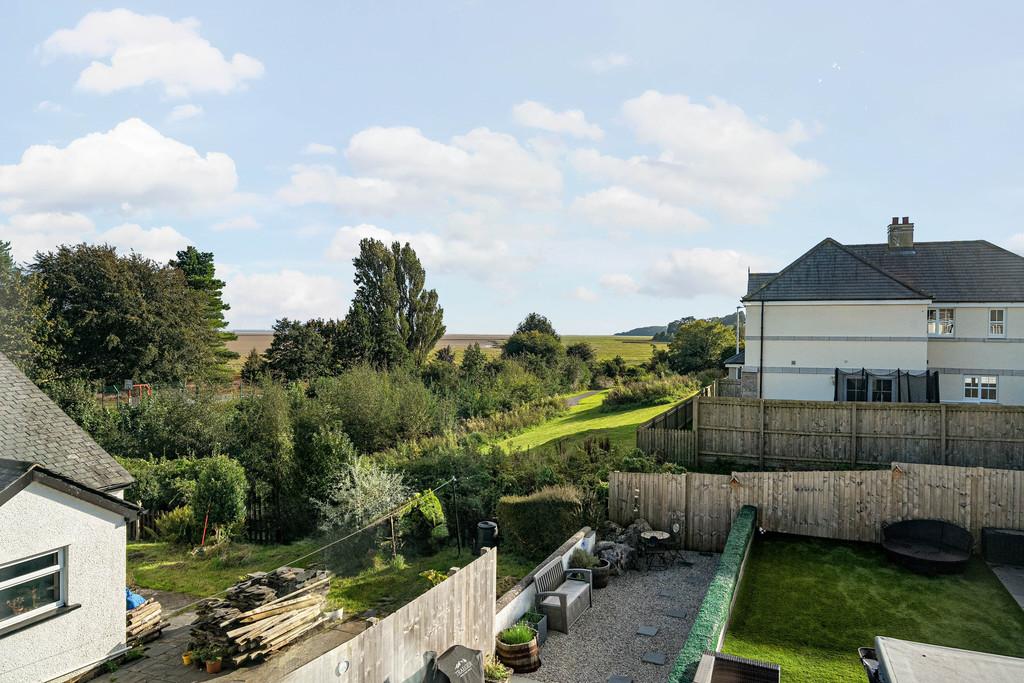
point(901, 235)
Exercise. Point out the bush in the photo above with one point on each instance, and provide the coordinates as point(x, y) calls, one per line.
point(178, 526)
point(536, 524)
point(519, 634)
point(647, 393)
point(581, 559)
point(220, 494)
point(162, 485)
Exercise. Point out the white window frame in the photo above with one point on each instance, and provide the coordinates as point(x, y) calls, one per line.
point(981, 385)
point(935, 324)
point(62, 581)
point(1001, 323)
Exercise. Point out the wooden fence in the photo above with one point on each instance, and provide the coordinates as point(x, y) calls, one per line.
point(459, 610)
point(767, 433)
point(845, 504)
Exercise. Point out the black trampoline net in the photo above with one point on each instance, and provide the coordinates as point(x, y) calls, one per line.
point(898, 386)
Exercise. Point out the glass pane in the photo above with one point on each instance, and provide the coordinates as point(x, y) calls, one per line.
point(17, 569)
point(970, 387)
point(28, 596)
point(996, 315)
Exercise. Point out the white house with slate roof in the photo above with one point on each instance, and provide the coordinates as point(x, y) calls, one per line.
point(897, 321)
point(62, 539)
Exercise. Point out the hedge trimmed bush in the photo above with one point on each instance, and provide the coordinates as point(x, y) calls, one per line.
point(536, 524)
point(714, 611)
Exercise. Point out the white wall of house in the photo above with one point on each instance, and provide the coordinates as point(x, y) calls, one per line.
point(39, 519)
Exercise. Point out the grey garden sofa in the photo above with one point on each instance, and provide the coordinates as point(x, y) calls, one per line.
point(563, 594)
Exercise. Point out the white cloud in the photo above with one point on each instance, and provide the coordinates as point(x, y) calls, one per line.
point(48, 106)
point(572, 122)
point(608, 62)
point(319, 148)
point(322, 184)
point(146, 49)
point(1016, 243)
point(29, 233)
point(710, 155)
point(686, 273)
point(584, 294)
point(620, 208)
point(620, 283)
point(160, 244)
point(129, 167)
point(238, 223)
point(258, 299)
point(184, 111)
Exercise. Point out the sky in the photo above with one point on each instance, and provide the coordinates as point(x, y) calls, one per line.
point(609, 165)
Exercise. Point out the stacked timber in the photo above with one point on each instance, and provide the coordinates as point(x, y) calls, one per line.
point(262, 614)
point(144, 623)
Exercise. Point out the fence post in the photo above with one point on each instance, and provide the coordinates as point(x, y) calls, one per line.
point(853, 432)
point(760, 439)
point(942, 431)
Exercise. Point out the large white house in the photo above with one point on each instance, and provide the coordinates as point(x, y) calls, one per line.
point(62, 539)
point(898, 321)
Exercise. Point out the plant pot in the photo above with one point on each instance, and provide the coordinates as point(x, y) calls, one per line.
point(600, 574)
point(495, 680)
point(186, 658)
point(522, 658)
point(213, 666)
point(540, 626)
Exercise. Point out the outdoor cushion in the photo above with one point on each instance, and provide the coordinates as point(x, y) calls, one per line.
point(573, 590)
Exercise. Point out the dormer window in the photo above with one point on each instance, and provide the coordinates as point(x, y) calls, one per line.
point(997, 322)
point(940, 322)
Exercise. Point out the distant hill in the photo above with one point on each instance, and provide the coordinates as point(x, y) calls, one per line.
point(670, 329)
point(648, 331)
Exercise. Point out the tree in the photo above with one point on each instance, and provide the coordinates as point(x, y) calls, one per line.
point(297, 352)
point(535, 322)
point(582, 350)
point(119, 317)
point(535, 344)
point(219, 498)
point(445, 354)
point(200, 275)
point(698, 345)
point(254, 367)
point(23, 322)
point(392, 318)
point(473, 362)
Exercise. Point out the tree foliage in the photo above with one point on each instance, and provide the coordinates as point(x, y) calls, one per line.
point(220, 493)
point(298, 351)
point(699, 345)
point(200, 275)
point(23, 317)
point(535, 322)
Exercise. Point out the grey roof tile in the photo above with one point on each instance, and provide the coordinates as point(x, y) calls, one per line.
point(34, 429)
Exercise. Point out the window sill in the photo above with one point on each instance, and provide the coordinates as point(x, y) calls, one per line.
point(38, 619)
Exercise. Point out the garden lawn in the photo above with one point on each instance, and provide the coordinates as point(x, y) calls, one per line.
point(808, 604)
point(386, 586)
point(587, 420)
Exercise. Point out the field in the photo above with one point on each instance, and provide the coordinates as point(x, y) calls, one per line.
point(585, 420)
point(808, 604)
point(384, 586)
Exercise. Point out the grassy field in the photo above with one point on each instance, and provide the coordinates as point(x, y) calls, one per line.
point(587, 419)
point(634, 350)
point(385, 587)
point(808, 604)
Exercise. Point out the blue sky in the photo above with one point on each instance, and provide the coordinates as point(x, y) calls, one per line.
point(607, 164)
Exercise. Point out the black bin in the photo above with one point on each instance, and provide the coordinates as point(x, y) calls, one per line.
point(486, 533)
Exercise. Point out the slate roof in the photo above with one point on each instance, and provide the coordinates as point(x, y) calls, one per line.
point(34, 430)
point(968, 271)
point(737, 358)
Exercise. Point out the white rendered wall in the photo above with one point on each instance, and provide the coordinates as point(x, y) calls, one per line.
point(39, 519)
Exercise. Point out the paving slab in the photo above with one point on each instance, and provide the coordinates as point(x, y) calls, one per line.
point(1013, 579)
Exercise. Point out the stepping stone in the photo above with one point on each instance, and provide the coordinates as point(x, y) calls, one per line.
point(666, 594)
point(676, 613)
point(615, 678)
point(647, 630)
point(654, 658)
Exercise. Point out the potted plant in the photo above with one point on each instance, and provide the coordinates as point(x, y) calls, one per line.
point(600, 569)
point(517, 648)
point(186, 657)
point(495, 671)
point(212, 657)
point(539, 623)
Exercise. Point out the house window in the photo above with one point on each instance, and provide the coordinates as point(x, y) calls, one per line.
point(881, 390)
point(997, 322)
point(856, 389)
point(940, 322)
point(981, 388)
point(31, 586)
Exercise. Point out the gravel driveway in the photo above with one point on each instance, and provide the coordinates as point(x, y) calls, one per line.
point(605, 642)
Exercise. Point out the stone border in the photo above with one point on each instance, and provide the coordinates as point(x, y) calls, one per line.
point(712, 619)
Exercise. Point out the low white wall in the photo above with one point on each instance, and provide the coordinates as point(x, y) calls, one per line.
point(39, 519)
point(512, 606)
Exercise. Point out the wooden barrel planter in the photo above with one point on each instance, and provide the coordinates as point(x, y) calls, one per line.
point(522, 658)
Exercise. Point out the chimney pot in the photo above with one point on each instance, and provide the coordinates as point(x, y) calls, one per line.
point(906, 220)
point(895, 220)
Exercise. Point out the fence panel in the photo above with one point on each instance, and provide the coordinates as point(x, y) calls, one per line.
point(672, 445)
point(653, 497)
point(708, 514)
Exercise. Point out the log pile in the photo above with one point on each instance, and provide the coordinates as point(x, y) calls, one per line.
point(262, 614)
point(144, 623)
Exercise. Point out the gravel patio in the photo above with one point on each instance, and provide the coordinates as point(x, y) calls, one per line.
point(605, 642)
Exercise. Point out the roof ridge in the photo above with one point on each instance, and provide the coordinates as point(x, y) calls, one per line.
point(880, 269)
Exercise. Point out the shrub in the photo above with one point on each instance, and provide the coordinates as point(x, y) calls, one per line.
point(178, 526)
point(519, 634)
point(162, 485)
point(220, 494)
point(647, 393)
point(581, 559)
point(536, 524)
point(495, 670)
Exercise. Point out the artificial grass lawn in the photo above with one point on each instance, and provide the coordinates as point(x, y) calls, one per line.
point(585, 420)
point(385, 586)
point(808, 604)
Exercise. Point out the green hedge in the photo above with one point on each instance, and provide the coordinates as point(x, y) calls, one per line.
point(537, 524)
point(714, 611)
